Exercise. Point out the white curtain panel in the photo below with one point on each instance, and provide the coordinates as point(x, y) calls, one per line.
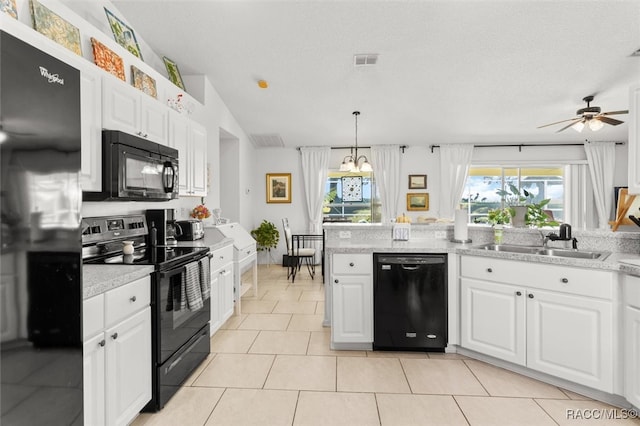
point(601, 157)
point(455, 160)
point(385, 160)
point(315, 167)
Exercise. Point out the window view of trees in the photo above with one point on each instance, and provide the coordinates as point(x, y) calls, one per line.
point(481, 195)
point(336, 209)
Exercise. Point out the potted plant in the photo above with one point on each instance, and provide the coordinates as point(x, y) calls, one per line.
point(522, 208)
point(498, 218)
point(266, 236)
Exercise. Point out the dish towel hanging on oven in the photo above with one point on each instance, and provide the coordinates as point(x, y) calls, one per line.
point(205, 278)
point(191, 293)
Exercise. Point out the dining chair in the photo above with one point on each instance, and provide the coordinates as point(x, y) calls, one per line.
point(297, 255)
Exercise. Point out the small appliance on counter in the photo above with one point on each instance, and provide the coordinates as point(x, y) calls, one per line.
point(165, 222)
point(192, 229)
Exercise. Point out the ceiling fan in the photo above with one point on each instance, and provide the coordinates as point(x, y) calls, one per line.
point(591, 116)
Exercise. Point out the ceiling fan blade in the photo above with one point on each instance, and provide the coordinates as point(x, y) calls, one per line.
point(608, 120)
point(615, 112)
point(558, 122)
point(571, 124)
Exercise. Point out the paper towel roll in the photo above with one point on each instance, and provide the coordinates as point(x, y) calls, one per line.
point(460, 230)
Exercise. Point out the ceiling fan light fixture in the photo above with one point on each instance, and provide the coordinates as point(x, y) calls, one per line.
point(595, 125)
point(578, 126)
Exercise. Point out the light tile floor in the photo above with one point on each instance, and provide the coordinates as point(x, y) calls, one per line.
point(272, 365)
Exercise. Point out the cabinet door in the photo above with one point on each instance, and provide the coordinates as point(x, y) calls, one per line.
point(571, 337)
point(91, 129)
point(154, 120)
point(634, 140)
point(632, 355)
point(216, 317)
point(352, 309)
point(178, 139)
point(226, 292)
point(94, 380)
point(128, 370)
point(198, 145)
point(493, 319)
point(9, 322)
point(120, 106)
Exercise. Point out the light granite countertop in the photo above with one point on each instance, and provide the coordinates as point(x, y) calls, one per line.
point(98, 279)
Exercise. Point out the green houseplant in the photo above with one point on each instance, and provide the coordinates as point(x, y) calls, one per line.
point(266, 236)
point(522, 208)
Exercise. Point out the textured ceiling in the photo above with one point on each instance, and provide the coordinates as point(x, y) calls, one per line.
point(448, 72)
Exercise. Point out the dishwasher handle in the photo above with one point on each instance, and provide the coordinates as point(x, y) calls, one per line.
point(411, 261)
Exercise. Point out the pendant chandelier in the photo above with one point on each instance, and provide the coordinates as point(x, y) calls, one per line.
point(351, 163)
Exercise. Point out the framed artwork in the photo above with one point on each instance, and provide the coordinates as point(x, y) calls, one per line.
point(53, 26)
point(417, 181)
point(107, 59)
point(418, 201)
point(352, 188)
point(123, 34)
point(143, 82)
point(9, 7)
point(174, 73)
point(278, 187)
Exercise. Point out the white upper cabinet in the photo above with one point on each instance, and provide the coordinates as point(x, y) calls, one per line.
point(634, 140)
point(91, 128)
point(129, 110)
point(190, 139)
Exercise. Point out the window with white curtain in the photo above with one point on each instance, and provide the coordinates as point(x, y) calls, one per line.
point(480, 194)
point(337, 207)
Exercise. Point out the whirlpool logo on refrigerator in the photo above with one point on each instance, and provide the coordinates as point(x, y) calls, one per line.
point(52, 78)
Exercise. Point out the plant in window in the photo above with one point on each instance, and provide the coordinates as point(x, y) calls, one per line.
point(532, 214)
point(499, 216)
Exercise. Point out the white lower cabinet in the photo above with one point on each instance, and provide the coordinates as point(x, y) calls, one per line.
point(632, 339)
point(352, 298)
point(117, 354)
point(221, 287)
point(553, 319)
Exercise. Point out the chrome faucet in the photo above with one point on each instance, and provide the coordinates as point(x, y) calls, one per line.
point(565, 235)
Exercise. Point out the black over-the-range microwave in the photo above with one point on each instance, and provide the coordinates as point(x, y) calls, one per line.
point(136, 169)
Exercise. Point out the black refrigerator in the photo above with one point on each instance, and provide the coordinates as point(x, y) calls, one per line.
point(41, 263)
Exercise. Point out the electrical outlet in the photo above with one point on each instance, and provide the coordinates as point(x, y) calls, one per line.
point(441, 235)
point(345, 234)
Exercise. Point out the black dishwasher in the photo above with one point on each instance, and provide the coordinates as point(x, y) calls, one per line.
point(410, 302)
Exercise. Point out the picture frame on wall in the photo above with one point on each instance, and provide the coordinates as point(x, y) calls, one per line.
point(417, 181)
point(123, 34)
point(417, 201)
point(56, 28)
point(174, 72)
point(107, 59)
point(143, 82)
point(278, 188)
point(9, 7)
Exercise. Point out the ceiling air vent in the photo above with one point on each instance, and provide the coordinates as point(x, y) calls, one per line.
point(365, 59)
point(267, 140)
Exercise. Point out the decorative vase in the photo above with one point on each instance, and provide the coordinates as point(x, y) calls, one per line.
point(518, 220)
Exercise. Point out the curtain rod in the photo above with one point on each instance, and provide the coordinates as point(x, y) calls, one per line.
point(522, 145)
point(402, 147)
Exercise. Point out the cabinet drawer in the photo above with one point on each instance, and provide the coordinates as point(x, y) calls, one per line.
point(221, 257)
point(126, 300)
point(92, 316)
point(344, 263)
point(566, 279)
point(632, 291)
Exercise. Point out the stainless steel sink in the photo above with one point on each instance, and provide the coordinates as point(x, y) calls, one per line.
point(510, 248)
point(574, 254)
point(552, 252)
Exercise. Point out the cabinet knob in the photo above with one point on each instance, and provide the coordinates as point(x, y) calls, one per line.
point(565, 280)
point(530, 296)
point(489, 270)
point(133, 299)
point(114, 336)
point(102, 343)
point(518, 293)
point(351, 264)
point(335, 281)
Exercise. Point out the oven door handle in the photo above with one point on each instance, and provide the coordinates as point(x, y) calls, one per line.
point(172, 272)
